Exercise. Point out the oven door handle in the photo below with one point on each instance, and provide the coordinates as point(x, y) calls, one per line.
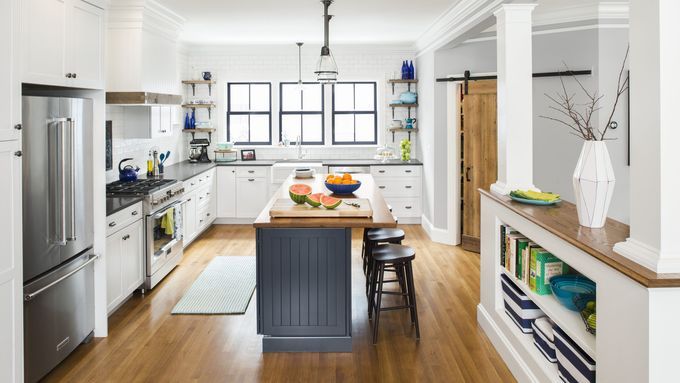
point(165, 209)
point(170, 244)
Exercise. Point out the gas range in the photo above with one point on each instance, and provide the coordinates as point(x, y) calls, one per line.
point(157, 192)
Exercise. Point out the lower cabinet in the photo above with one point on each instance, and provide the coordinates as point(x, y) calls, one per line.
point(200, 205)
point(124, 263)
point(242, 191)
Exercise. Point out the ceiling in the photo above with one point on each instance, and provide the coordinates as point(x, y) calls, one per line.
point(286, 21)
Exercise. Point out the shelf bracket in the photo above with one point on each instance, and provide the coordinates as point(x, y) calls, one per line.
point(209, 90)
point(193, 89)
point(393, 113)
point(209, 113)
point(393, 136)
point(393, 89)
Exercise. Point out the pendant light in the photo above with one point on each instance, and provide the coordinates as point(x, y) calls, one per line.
point(326, 68)
point(300, 84)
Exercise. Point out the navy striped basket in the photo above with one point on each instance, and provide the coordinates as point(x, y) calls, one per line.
point(544, 338)
point(520, 308)
point(573, 364)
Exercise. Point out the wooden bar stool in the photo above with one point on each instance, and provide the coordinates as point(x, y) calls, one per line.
point(363, 243)
point(375, 237)
point(400, 257)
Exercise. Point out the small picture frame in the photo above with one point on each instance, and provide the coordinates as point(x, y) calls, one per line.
point(248, 155)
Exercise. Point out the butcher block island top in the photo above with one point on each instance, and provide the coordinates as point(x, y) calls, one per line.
point(368, 192)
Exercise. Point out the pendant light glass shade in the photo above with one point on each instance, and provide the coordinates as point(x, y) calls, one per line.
point(326, 68)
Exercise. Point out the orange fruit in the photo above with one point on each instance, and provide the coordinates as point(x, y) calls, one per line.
point(329, 177)
point(337, 180)
point(354, 182)
point(346, 182)
point(347, 177)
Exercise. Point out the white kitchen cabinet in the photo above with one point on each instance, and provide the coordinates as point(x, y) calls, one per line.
point(147, 121)
point(189, 215)
point(251, 196)
point(11, 278)
point(226, 187)
point(63, 43)
point(401, 185)
point(124, 263)
point(10, 93)
point(200, 205)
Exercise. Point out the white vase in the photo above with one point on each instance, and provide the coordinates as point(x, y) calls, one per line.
point(593, 184)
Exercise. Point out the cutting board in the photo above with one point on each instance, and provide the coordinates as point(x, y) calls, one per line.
point(286, 208)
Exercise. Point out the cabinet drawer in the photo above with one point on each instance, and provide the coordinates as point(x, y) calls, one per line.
point(251, 171)
point(191, 184)
point(396, 171)
point(119, 220)
point(405, 207)
point(204, 216)
point(203, 196)
point(399, 187)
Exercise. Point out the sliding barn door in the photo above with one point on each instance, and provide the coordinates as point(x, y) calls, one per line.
point(479, 154)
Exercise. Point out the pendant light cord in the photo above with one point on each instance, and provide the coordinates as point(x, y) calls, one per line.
point(299, 63)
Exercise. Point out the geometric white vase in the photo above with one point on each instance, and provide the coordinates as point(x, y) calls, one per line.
point(593, 184)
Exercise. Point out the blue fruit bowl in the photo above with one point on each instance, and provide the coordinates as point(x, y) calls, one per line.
point(343, 189)
point(569, 288)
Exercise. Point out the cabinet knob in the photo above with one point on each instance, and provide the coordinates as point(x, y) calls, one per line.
point(207, 215)
point(18, 127)
point(18, 153)
point(69, 75)
point(74, 75)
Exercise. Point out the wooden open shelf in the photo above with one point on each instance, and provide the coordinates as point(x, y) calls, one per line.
point(199, 130)
point(192, 106)
point(409, 131)
point(193, 84)
point(400, 81)
point(403, 105)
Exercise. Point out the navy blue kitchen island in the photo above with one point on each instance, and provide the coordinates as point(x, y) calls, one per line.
point(304, 297)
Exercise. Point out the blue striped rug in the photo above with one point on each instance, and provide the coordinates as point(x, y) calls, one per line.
point(224, 287)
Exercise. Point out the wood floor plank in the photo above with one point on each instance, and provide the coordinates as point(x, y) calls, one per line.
point(147, 344)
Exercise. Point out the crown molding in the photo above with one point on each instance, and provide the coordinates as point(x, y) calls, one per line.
point(455, 22)
point(145, 14)
point(605, 11)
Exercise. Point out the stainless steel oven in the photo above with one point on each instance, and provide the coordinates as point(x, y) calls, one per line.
point(164, 242)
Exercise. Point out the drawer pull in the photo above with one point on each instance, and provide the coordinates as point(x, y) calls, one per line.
point(208, 193)
point(407, 171)
point(126, 237)
point(135, 212)
point(381, 171)
point(381, 187)
point(408, 207)
point(251, 171)
point(112, 224)
point(251, 179)
point(408, 186)
point(200, 198)
point(207, 215)
point(192, 184)
point(189, 200)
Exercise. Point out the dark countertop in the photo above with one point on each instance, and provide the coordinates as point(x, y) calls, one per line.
point(116, 204)
point(184, 170)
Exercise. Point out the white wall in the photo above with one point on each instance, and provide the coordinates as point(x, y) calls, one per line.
point(555, 150)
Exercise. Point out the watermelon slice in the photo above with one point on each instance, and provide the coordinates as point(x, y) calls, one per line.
point(298, 192)
point(330, 202)
point(314, 199)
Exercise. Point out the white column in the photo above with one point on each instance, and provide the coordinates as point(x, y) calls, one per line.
point(515, 119)
point(654, 136)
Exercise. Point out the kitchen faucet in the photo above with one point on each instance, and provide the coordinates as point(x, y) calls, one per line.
point(300, 155)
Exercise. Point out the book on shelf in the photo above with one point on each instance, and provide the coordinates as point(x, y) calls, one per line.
point(505, 230)
point(511, 261)
point(526, 262)
point(545, 266)
point(522, 243)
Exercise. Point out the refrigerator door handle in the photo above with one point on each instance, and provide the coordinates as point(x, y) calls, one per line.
point(34, 294)
point(59, 186)
point(72, 180)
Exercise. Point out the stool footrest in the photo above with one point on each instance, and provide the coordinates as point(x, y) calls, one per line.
point(395, 308)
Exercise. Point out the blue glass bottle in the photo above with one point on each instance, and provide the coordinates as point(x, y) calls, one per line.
point(404, 70)
point(187, 121)
point(193, 120)
point(411, 71)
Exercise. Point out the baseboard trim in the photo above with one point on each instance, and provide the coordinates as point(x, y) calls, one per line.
point(234, 221)
point(436, 234)
point(517, 367)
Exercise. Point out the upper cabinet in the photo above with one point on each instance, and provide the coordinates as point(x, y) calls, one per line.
point(63, 43)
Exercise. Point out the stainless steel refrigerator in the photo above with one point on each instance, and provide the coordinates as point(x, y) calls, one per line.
point(57, 230)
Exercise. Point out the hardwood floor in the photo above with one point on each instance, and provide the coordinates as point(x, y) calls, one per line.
point(147, 344)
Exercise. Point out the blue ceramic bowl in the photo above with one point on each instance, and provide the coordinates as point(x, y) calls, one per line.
point(568, 287)
point(343, 189)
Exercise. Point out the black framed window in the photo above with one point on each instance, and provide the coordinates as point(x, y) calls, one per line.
point(355, 118)
point(249, 113)
point(301, 113)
